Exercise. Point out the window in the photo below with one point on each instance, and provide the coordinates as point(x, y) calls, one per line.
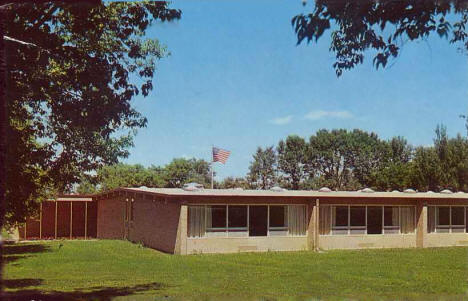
point(340, 219)
point(297, 220)
point(446, 219)
point(258, 220)
point(196, 221)
point(344, 220)
point(357, 219)
point(278, 220)
point(407, 219)
point(216, 220)
point(391, 220)
point(457, 219)
point(324, 220)
point(237, 220)
point(246, 220)
point(374, 220)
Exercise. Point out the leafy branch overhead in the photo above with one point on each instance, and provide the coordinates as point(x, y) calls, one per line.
point(71, 83)
point(381, 26)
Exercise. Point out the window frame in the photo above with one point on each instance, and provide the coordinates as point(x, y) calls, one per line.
point(450, 226)
point(226, 231)
point(349, 228)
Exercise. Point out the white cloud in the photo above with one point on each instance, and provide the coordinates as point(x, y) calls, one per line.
point(319, 114)
point(282, 120)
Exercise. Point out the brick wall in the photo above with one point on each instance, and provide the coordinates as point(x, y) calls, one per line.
point(155, 224)
point(110, 218)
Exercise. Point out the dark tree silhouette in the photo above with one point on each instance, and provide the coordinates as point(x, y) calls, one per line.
point(383, 26)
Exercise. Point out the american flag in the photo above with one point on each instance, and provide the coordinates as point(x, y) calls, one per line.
point(220, 155)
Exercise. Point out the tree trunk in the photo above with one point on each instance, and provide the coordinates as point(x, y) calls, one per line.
point(3, 131)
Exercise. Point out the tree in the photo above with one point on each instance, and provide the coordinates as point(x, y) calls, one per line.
point(394, 172)
point(367, 155)
point(342, 159)
point(181, 171)
point(381, 26)
point(426, 172)
point(292, 159)
point(126, 175)
point(263, 168)
point(329, 158)
point(69, 75)
point(232, 182)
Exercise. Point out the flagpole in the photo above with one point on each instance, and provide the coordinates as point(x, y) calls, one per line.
point(212, 163)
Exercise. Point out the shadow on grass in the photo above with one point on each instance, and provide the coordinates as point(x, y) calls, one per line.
point(18, 249)
point(94, 293)
point(19, 283)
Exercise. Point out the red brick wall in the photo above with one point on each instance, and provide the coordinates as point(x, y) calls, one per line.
point(78, 219)
point(92, 220)
point(48, 220)
point(110, 218)
point(155, 223)
point(63, 219)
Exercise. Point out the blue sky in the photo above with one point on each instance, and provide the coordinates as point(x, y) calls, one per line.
point(236, 79)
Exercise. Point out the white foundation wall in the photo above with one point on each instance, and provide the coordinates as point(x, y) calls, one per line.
point(245, 244)
point(329, 242)
point(445, 239)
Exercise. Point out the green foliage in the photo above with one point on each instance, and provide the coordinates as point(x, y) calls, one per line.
point(124, 175)
point(181, 171)
point(292, 159)
point(69, 91)
point(351, 160)
point(381, 26)
point(231, 182)
point(93, 270)
point(175, 174)
point(262, 171)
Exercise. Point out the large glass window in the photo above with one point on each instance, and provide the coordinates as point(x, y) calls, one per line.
point(446, 219)
point(237, 217)
point(340, 220)
point(374, 220)
point(278, 220)
point(278, 217)
point(246, 220)
point(367, 219)
point(357, 219)
point(407, 219)
point(297, 220)
point(216, 220)
point(391, 220)
point(237, 220)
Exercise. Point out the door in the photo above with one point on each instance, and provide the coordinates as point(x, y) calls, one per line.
point(258, 220)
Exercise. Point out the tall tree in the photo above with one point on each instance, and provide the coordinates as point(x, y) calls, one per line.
point(126, 175)
point(292, 159)
point(71, 77)
point(382, 26)
point(394, 172)
point(232, 182)
point(367, 155)
point(181, 171)
point(262, 170)
point(329, 158)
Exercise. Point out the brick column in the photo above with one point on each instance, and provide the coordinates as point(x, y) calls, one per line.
point(311, 226)
point(181, 240)
point(421, 223)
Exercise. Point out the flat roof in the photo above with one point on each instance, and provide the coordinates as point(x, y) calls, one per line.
point(177, 192)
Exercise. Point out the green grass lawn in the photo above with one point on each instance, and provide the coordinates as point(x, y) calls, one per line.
point(106, 269)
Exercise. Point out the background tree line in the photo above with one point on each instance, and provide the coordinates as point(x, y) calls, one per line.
point(338, 159)
point(350, 160)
